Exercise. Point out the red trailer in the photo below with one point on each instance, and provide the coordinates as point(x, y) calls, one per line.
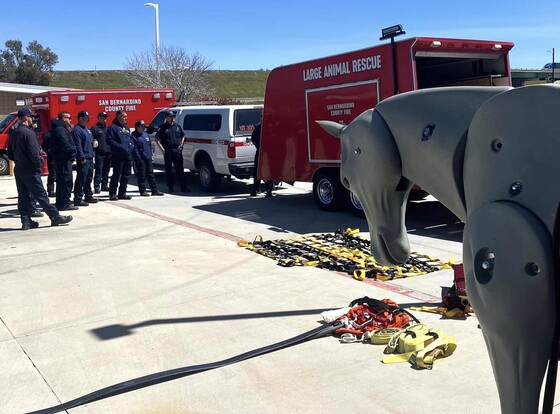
point(340, 87)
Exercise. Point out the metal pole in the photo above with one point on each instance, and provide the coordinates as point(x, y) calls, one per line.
point(552, 65)
point(395, 72)
point(156, 8)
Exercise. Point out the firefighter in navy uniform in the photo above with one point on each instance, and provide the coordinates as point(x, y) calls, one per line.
point(256, 140)
point(120, 142)
point(170, 139)
point(102, 154)
point(64, 152)
point(51, 179)
point(25, 151)
point(143, 153)
point(83, 196)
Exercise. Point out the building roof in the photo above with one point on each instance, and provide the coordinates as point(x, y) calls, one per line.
point(20, 88)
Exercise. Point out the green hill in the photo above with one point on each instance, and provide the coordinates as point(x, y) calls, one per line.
point(227, 83)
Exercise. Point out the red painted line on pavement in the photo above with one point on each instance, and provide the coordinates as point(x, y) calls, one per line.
point(183, 223)
point(379, 284)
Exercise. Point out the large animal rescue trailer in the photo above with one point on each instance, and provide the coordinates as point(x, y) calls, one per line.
point(340, 87)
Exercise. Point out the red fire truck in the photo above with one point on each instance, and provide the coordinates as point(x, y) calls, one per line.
point(340, 87)
point(138, 103)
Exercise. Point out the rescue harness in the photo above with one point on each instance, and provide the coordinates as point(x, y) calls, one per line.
point(343, 251)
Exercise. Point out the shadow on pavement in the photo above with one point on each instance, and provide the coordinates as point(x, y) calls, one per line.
point(116, 331)
point(298, 213)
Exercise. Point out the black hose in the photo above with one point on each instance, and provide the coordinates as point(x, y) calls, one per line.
point(172, 374)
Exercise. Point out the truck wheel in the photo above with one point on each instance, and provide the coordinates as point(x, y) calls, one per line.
point(207, 177)
point(4, 164)
point(354, 204)
point(328, 192)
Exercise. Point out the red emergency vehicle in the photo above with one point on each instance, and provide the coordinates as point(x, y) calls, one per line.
point(137, 103)
point(340, 87)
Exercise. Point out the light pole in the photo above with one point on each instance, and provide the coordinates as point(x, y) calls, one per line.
point(391, 33)
point(156, 7)
point(553, 65)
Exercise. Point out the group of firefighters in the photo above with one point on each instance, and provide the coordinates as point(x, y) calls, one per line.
point(113, 146)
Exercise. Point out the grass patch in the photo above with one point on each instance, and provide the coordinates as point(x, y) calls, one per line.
point(226, 83)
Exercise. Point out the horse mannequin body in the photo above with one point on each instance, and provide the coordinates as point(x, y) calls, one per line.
point(490, 155)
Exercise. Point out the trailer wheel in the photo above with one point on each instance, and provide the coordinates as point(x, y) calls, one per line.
point(4, 164)
point(328, 191)
point(354, 204)
point(207, 177)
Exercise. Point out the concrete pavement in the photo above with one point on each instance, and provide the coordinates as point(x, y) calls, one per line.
point(135, 287)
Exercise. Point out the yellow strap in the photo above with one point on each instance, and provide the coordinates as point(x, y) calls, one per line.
point(383, 336)
point(447, 313)
point(393, 359)
point(440, 348)
point(409, 339)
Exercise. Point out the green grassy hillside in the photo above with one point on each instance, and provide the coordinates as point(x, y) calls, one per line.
point(227, 83)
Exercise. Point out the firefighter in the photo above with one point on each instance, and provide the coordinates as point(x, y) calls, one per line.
point(170, 139)
point(25, 151)
point(143, 153)
point(256, 140)
point(102, 154)
point(120, 142)
point(64, 151)
point(83, 140)
point(51, 179)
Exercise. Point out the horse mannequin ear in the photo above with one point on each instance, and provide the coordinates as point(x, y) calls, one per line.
point(333, 128)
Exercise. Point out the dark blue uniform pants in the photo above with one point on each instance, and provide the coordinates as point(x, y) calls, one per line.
point(175, 157)
point(51, 179)
point(121, 173)
point(29, 184)
point(102, 167)
point(144, 170)
point(84, 176)
point(63, 183)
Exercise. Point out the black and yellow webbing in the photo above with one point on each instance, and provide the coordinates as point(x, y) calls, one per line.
point(344, 251)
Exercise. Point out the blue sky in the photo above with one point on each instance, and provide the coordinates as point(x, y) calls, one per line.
point(249, 34)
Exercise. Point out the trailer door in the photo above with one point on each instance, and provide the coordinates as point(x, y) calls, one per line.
point(338, 103)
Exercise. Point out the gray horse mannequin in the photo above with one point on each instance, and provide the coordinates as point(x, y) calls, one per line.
point(490, 155)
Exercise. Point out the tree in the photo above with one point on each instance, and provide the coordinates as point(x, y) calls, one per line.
point(177, 69)
point(34, 67)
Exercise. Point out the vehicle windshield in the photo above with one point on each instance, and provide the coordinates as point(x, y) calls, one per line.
point(245, 120)
point(5, 122)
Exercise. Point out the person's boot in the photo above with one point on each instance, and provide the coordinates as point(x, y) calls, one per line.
point(96, 190)
point(124, 196)
point(81, 203)
point(113, 197)
point(57, 221)
point(144, 193)
point(91, 200)
point(157, 193)
point(27, 225)
point(36, 213)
